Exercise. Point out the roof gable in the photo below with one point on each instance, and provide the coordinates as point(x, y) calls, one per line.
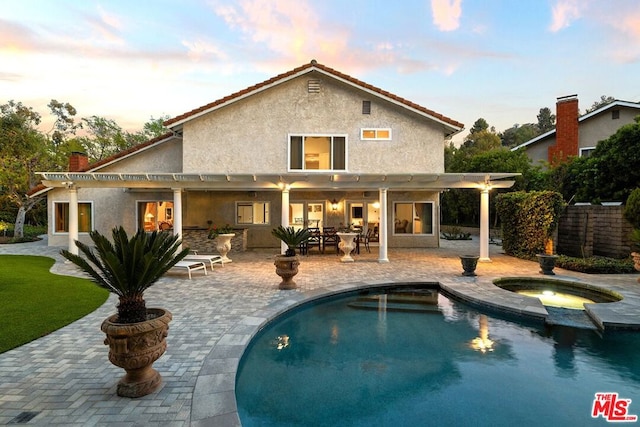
point(451, 125)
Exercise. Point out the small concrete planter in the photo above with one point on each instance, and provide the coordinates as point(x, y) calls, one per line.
point(469, 264)
point(547, 264)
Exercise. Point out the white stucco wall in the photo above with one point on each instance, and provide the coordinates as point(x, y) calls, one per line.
point(251, 135)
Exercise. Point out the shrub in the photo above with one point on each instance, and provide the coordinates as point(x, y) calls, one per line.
point(632, 214)
point(632, 208)
point(528, 220)
point(596, 265)
point(452, 232)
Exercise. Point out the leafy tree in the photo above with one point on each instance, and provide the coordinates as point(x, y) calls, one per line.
point(23, 151)
point(546, 120)
point(610, 173)
point(616, 161)
point(155, 127)
point(518, 134)
point(604, 100)
point(65, 123)
point(479, 126)
point(480, 141)
point(106, 138)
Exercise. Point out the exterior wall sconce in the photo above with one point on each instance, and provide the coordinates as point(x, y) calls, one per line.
point(334, 205)
point(376, 205)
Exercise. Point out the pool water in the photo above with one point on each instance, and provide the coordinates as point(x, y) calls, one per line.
point(369, 360)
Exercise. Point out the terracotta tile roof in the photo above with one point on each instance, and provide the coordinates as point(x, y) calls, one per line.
point(310, 66)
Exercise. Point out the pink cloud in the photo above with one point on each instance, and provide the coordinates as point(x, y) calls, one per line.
point(446, 14)
point(563, 13)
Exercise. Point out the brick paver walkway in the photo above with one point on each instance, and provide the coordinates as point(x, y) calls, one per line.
point(65, 378)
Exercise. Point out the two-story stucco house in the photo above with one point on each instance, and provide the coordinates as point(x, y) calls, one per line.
point(309, 147)
point(577, 135)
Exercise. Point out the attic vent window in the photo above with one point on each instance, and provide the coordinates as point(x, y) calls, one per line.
point(313, 86)
point(615, 114)
point(366, 107)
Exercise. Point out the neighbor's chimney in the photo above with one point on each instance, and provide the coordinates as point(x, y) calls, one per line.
point(566, 130)
point(78, 162)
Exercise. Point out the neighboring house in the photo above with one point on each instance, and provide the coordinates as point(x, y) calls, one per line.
point(309, 147)
point(577, 135)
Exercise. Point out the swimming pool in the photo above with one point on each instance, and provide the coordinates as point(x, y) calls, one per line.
point(363, 360)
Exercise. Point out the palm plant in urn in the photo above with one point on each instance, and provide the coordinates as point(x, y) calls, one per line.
point(287, 264)
point(127, 267)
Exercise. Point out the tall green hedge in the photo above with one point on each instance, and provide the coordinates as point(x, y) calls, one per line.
point(528, 220)
point(632, 208)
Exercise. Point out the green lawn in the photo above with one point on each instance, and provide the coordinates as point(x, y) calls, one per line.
point(35, 302)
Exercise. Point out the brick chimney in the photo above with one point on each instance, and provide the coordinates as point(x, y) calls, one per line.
point(78, 162)
point(566, 130)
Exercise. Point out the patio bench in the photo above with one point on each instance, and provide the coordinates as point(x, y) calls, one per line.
point(211, 259)
point(191, 266)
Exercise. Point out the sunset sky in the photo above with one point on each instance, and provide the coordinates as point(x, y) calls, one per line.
point(502, 60)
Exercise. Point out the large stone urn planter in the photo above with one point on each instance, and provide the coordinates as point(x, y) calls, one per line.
point(287, 268)
point(347, 245)
point(134, 347)
point(223, 246)
point(547, 264)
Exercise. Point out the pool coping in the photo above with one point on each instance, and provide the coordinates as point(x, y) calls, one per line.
point(214, 398)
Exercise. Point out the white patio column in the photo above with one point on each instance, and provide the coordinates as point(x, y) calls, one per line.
point(484, 225)
point(382, 253)
point(177, 212)
point(73, 218)
point(284, 218)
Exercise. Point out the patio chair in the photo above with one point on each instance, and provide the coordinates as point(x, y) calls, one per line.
point(330, 238)
point(315, 239)
point(366, 239)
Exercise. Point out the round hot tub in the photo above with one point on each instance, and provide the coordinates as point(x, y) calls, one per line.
point(558, 293)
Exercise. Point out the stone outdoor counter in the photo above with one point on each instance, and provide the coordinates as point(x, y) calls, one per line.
point(196, 238)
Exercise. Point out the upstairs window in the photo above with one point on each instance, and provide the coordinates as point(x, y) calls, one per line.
point(587, 151)
point(317, 152)
point(379, 134)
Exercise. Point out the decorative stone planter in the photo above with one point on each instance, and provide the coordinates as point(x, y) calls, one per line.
point(547, 264)
point(469, 263)
point(223, 246)
point(287, 268)
point(347, 245)
point(134, 347)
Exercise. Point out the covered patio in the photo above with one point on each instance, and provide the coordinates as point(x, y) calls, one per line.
point(287, 184)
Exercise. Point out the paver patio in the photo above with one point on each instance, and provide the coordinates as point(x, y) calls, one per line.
point(65, 378)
